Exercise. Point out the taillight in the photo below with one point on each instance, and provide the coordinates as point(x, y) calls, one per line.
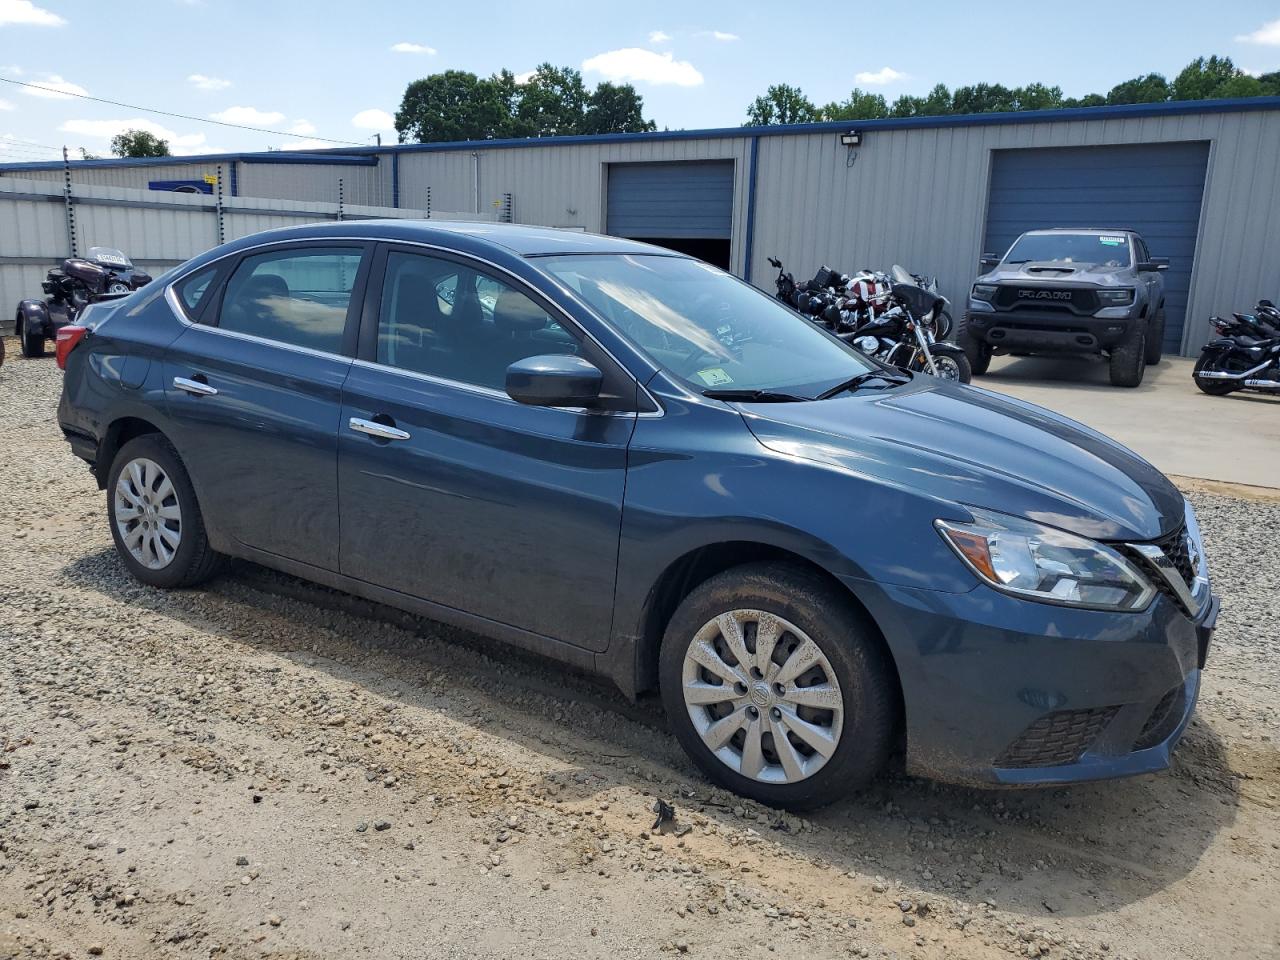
point(65, 341)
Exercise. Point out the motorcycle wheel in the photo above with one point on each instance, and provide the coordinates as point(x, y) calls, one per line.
point(1214, 388)
point(954, 367)
point(31, 346)
point(944, 325)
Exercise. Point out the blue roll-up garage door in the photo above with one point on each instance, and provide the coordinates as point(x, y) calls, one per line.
point(692, 200)
point(1152, 188)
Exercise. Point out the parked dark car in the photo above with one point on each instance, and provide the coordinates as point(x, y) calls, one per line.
point(621, 457)
point(1070, 290)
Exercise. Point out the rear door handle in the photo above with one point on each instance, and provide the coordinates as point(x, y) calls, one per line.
point(195, 387)
point(377, 430)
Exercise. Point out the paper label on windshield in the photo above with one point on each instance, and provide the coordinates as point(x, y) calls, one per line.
point(714, 377)
point(1111, 241)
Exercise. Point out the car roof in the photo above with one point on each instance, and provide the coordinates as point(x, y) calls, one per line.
point(524, 241)
point(1083, 230)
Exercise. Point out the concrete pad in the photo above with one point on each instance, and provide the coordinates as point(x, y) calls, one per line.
point(1167, 420)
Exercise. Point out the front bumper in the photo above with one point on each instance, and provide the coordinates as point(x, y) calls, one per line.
point(1001, 691)
point(1049, 330)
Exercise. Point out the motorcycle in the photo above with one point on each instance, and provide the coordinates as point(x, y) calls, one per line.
point(891, 317)
point(102, 274)
point(1245, 354)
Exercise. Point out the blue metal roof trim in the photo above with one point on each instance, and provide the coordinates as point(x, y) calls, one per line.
point(350, 155)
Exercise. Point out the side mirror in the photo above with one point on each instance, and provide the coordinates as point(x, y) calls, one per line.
point(989, 261)
point(554, 380)
point(1155, 263)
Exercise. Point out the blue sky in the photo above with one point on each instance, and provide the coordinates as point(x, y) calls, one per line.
point(337, 70)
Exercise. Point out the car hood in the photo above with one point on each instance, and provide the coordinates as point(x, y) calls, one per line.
point(1058, 271)
point(972, 447)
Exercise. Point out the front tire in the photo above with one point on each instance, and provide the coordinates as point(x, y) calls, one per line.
point(778, 686)
point(154, 517)
point(953, 366)
point(978, 351)
point(1128, 358)
point(31, 344)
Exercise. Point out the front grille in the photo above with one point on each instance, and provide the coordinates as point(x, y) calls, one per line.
point(1057, 738)
point(1079, 300)
point(1174, 546)
point(1164, 718)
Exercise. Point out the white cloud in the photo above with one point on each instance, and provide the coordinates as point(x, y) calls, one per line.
point(523, 78)
point(201, 82)
point(5, 105)
point(880, 77)
point(53, 87)
point(1267, 35)
point(28, 14)
point(179, 143)
point(13, 70)
point(306, 145)
point(302, 128)
point(645, 66)
point(659, 36)
point(249, 116)
point(412, 48)
point(724, 37)
point(373, 119)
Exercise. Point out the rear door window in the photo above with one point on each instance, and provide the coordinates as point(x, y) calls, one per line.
point(298, 296)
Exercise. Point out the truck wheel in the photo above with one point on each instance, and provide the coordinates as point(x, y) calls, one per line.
point(1155, 338)
point(778, 687)
point(978, 352)
point(1128, 357)
point(32, 345)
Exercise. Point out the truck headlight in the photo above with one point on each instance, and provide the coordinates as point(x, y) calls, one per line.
point(1042, 563)
point(1115, 298)
point(984, 291)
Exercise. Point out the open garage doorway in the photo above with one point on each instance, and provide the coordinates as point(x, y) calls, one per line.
point(681, 205)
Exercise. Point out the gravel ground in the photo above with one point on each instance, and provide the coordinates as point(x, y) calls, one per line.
point(256, 769)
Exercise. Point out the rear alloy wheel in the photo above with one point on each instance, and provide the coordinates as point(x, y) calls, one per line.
point(31, 345)
point(155, 520)
point(777, 686)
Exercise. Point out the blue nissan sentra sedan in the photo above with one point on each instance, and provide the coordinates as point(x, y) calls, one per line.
point(628, 460)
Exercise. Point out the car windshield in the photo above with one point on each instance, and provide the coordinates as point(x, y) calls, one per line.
point(708, 328)
point(1109, 249)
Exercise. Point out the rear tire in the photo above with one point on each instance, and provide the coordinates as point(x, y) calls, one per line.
point(154, 517)
point(1128, 357)
point(31, 345)
point(1214, 388)
point(822, 644)
point(1155, 338)
point(978, 352)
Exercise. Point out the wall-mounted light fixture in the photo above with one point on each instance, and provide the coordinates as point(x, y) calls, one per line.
point(851, 139)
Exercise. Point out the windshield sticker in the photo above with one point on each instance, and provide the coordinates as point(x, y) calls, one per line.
point(1111, 241)
point(714, 377)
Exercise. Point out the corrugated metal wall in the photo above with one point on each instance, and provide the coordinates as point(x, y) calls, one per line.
point(919, 197)
point(369, 185)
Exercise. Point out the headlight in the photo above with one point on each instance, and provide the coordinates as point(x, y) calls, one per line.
point(1115, 298)
point(984, 291)
point(1044, 564)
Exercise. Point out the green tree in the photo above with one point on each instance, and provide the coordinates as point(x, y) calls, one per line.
point(1036, 96)
point(454, 105)
point(1270, 84)
point(615, 108)
point(781, 103)
point(1152, 88)
point(553, 103)
point(1202, 78)
point(138, 143)
point(983, 98)
point(1088, 100)
point(859, 105)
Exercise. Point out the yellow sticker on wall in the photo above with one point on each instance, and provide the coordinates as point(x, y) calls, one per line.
point(714, 376)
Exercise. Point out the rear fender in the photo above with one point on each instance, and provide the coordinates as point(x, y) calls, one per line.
point(34, 315)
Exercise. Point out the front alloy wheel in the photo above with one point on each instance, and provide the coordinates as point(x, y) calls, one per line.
point(762, 696)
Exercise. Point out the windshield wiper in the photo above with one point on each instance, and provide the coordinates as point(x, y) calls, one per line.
point(755, 396)
point(890, 379)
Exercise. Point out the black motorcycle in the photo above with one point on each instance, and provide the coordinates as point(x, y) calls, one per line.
point(103, 274)
point(1245, 354)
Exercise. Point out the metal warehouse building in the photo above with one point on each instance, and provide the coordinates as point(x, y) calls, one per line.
point(1200, 180)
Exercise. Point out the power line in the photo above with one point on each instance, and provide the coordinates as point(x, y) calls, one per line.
point(166, 113)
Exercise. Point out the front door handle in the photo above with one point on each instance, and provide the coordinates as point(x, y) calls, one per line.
point(380, 431)
point(195, 387)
